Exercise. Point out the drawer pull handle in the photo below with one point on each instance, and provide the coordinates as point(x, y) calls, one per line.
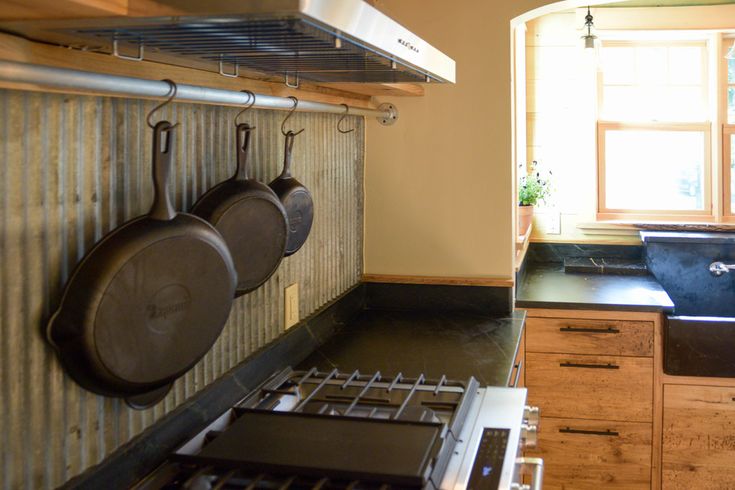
point(588, 366)
point(608, 432)
point(589, 330)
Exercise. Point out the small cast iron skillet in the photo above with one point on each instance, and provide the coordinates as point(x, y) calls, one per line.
point(148, 301)
point(296, 200)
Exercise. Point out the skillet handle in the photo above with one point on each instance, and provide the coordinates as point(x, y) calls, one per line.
point(162, 208)
point(286, 174)
point(243, 143)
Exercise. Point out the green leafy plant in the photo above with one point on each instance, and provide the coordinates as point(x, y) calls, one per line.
point(532, 186)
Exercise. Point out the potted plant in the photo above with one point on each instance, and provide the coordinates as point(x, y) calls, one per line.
point(532, 188)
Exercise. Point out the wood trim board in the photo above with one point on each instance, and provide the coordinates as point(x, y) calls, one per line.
point(445, 281)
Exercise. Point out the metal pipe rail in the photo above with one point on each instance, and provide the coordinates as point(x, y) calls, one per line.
point(85, 81)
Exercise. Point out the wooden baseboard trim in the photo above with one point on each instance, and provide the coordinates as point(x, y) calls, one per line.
point(445, 281)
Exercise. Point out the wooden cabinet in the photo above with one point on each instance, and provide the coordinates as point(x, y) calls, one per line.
point(590, 336)
point(589, 454)
point(591, 387)
point(698, 437)
point(592, 375)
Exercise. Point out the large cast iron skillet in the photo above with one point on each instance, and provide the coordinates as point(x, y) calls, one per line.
point(148, 301)
point(249, 217)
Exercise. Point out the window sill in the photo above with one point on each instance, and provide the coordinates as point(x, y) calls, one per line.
point(620, 227)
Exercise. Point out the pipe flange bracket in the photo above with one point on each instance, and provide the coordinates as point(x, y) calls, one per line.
point(392, 114)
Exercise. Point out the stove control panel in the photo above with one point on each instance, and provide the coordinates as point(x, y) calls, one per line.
point(489, 459)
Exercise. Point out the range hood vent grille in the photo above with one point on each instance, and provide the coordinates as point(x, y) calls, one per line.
point(281, 46)
point(314, 40)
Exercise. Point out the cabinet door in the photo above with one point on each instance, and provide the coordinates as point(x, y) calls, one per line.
point(591, 454)
point(591, 387)
point(698, 437)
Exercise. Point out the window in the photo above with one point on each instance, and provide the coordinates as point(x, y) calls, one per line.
point(654, 131)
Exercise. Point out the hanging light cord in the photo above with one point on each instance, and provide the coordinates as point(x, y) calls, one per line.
point(588, 22)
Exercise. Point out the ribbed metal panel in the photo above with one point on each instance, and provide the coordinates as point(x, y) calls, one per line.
point(73, 168)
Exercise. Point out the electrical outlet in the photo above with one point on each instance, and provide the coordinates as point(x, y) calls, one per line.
point(553, 223)
point(292, 305)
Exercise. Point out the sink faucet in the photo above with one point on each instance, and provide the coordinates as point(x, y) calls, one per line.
point(719, 268)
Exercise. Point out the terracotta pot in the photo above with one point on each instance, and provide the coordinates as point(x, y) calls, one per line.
point(525, 215)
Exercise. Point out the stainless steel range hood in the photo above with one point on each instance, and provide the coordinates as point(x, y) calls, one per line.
point(314, 40)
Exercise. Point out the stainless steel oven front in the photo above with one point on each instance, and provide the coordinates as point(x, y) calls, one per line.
point(488, 454)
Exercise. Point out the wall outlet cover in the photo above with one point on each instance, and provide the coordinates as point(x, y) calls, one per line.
point(291, 302)
point(553, 223)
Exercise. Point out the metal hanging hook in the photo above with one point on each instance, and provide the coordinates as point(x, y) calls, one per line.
point(283, 124)
point(251, 103)
point(339, 123)
point(171, 97)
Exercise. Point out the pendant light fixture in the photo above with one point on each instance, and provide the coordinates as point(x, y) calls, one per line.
point(590, 40)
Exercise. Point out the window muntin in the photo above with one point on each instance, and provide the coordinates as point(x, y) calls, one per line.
point(653, 82)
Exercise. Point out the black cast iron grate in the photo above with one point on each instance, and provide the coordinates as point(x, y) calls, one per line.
point(430, 411)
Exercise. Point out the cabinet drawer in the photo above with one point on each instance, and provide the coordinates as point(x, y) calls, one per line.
point(580, 336)
point(588, 454)
point(591, 387)
point(698, 437)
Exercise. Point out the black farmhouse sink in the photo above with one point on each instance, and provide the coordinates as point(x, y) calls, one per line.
point(699, 346)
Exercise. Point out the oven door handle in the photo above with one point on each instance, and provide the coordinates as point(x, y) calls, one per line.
point(537, 478)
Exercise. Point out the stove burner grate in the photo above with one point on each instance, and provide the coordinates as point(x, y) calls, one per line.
point(312, 429)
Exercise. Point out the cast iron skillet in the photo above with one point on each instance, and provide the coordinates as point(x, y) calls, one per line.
point(296, 200)
point(148, 301)
point(249, 217)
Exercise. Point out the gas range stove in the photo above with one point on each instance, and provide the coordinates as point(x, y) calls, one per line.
point(311, 429)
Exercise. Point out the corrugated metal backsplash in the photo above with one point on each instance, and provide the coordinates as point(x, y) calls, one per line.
point(73, 168)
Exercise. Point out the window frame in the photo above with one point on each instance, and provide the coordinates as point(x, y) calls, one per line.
point(609, 214)
point(728, 129)
point(605, 214)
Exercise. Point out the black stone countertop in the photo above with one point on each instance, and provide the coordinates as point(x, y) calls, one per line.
point(458, 345)
point(546, 285)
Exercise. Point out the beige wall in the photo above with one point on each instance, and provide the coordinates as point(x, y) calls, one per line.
point(439, 183)
point(560, 86)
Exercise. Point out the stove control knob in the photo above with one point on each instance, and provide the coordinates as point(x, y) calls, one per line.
point(529, 436)
point(531, 415)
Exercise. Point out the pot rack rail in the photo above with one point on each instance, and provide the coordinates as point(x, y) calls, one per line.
point(100, 83)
